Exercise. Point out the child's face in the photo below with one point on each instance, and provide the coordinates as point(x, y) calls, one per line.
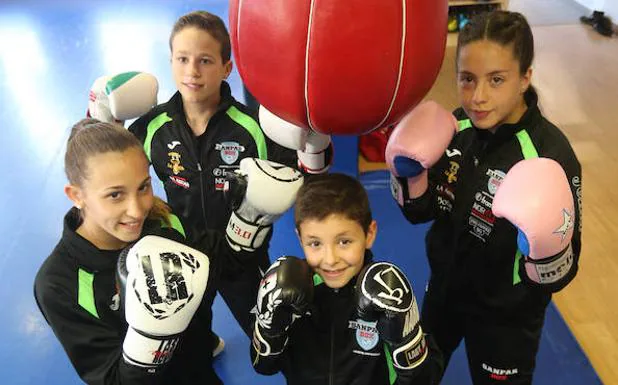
point(490, 85)
point(197, 65)
point(115, 198)
point(335, 247)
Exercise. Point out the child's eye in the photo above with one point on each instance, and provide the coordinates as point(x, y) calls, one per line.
point(466, 79)
point(497, 80)
point(114, 195)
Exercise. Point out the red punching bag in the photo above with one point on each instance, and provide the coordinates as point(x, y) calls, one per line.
point(338, 66)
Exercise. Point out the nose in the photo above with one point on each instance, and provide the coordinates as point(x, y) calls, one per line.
point(136, 207)
point(480, 93)
point(330, 256)
point(194, 68)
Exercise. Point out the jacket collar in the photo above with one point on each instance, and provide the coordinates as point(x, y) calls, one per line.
point(226, 100)
point(528, 121)
point(85, 253)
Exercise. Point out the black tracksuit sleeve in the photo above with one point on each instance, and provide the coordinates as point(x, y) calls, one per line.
point(278, 153)
point(94, 348)
point(225, 261)
point(424, 208)
point(139, 129)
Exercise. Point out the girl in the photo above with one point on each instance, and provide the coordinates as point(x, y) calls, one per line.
point(75, 287)
point(479, 289)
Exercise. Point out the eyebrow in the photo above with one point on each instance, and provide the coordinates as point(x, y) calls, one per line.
point(122, 187)
point(491, 73)
point(344, 233)
point(201, 54)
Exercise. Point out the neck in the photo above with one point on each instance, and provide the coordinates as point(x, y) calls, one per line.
point(515, 115)
point(99, 238)
point(198, 114)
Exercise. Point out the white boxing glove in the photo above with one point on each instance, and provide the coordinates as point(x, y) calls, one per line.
point(162, 283)
point(128, 95)
point(314, 150)
point(260, 191)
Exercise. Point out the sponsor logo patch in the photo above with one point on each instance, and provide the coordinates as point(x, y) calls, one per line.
point(229, 151)
point(180, 181)
point(367, 335)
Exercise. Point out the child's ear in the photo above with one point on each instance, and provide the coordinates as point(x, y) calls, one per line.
point(372, 231)
point(228, 68)
point(75, 194)
point(526, 79)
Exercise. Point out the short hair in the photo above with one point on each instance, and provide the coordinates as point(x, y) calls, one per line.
point(207, 22)
point(327, 194)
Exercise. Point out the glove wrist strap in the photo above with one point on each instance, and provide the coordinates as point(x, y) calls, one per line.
point(315, 163)
point(551, 269)
point(412, 353)
point(242, 234)
point(148, 351)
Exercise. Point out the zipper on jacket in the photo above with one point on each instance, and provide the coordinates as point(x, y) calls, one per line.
point(332, 352)
point(199, 168)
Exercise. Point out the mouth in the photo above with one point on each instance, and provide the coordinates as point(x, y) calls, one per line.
point(480, 115)
point(131, 226)
point(332, 274)
point(193, 86)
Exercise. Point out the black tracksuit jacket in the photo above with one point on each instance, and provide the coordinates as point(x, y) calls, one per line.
point(192, 169)
point(75, 290)
point(333, 346)
point(473, 255)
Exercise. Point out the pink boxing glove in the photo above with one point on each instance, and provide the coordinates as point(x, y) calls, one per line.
point(416, 144)
point(536, 198)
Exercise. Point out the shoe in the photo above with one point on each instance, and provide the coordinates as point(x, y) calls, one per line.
point(219, 348)
point(595, 17)
point(604, 26)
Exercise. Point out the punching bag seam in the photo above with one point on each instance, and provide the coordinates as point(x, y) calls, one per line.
point(401, 57)
point(307, 43)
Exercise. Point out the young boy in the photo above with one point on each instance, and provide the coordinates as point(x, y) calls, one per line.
point(200, 135)
point(338, 316)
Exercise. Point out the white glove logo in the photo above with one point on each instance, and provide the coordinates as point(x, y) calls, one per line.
point(164, 288)
point(267, 286)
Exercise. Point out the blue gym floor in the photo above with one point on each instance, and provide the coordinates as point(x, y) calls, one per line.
point(50, 53)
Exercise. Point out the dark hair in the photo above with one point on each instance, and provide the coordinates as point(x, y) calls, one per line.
point(502, 27)
point(208, 22)
point(91, 137)
point(326, 194)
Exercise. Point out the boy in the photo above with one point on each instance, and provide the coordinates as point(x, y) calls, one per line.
point(200, 135)
point(338, 316)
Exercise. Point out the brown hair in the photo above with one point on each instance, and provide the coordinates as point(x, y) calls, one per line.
point(207, 22)
point(90, 137)
point(326, 194)
point(502, 27)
